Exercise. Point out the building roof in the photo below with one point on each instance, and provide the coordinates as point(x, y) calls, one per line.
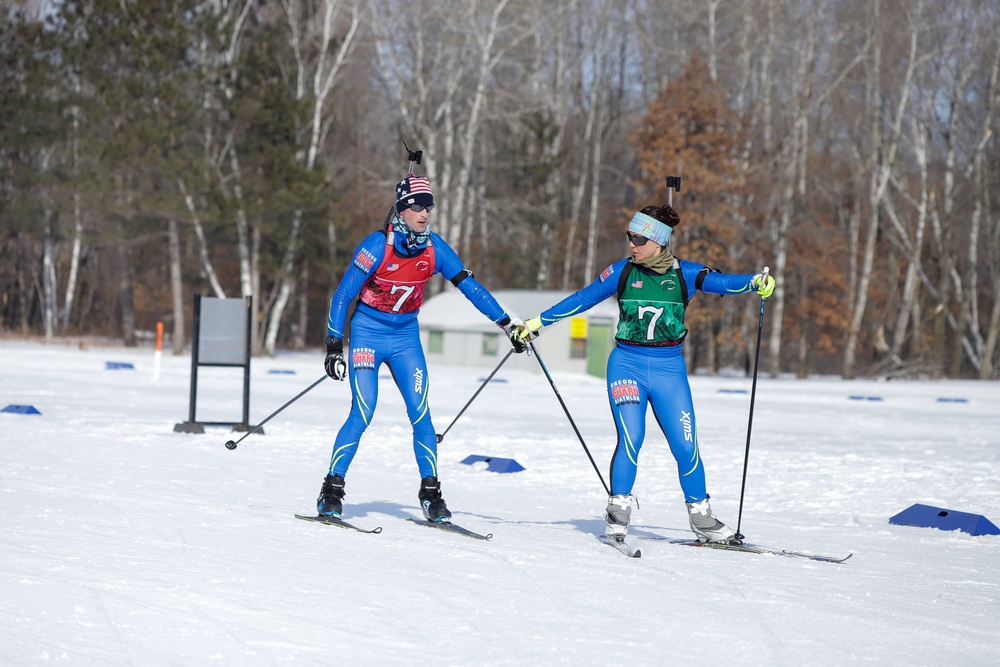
point(451, 311)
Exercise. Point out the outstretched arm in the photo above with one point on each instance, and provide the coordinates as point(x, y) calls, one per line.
point(581, 301)
point(711, 281)
point(738, 283)
point(450, 266)
point(482, 299)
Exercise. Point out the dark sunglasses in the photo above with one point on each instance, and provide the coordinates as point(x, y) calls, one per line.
point(635, 239)
point(420, 207)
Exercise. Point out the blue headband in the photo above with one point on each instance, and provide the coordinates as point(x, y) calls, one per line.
point(650, 227)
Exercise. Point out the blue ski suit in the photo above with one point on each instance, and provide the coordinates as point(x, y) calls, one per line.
point(391, 276)
point(647, 365)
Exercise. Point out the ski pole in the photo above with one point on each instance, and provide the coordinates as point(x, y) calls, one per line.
point(753, 395)
point(232, 445)
point(440, 436)
point(570, 417)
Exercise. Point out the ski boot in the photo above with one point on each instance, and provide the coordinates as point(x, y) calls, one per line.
point(431, 501)
point(331, 496)
point(705, 526)
point(618, 513)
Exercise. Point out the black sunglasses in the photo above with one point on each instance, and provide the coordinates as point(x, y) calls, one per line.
point(420, 207)
point(635, 239)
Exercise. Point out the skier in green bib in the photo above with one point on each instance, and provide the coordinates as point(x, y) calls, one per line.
point(647, 365)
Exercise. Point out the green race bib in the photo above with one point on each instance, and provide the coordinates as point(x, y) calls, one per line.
point(651, 309)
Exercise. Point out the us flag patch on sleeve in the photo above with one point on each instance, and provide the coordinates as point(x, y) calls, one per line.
point(606, 273)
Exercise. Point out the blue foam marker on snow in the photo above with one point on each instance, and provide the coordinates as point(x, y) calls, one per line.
point(275, 371)
point(732, 391)
point(925, 516)
point(953, 400)
point(21, 410)
point(865, 398)
point(493, 380)
point(495, 463)
point(118, 366)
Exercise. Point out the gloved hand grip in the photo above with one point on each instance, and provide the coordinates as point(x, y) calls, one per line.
point(763, 284)
point(529, 331)
point(334, 362)
point(512, 329)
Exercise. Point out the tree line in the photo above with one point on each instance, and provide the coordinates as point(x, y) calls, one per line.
point(156, 149)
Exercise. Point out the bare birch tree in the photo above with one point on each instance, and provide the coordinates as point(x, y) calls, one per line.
point(231, 17)
point(881, 148)
point(314, 34)
point(591, 60)
point(803, 96)
point(991, 218)
point(439, 83)
point(77, 243)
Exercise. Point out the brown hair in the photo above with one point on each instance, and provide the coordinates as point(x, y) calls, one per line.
point(665, 214)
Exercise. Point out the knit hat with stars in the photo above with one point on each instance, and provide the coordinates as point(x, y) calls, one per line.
point(413, 190)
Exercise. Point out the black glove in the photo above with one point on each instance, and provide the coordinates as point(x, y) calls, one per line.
point(513, 329)
point(334, 363)
point(523, 333)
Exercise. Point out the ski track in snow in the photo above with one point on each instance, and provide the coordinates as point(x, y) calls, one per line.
point(124, 543)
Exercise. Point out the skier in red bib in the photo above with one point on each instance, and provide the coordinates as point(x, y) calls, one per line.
point(389, 271)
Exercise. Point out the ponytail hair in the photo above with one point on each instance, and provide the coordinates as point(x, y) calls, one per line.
point(665, 214)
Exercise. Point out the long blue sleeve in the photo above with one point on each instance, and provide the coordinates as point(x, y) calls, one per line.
point(714, 282)
point(604, 286)
point(449, 265)
point(364, 263)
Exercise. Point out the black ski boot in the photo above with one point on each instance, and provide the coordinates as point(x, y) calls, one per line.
point(431, 501)
point(331, 496)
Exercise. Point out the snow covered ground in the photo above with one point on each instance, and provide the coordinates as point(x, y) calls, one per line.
point(124, 543)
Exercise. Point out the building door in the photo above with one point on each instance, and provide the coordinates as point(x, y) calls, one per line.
point(600, 338)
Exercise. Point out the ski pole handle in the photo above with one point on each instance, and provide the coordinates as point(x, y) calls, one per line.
point(763, 281)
